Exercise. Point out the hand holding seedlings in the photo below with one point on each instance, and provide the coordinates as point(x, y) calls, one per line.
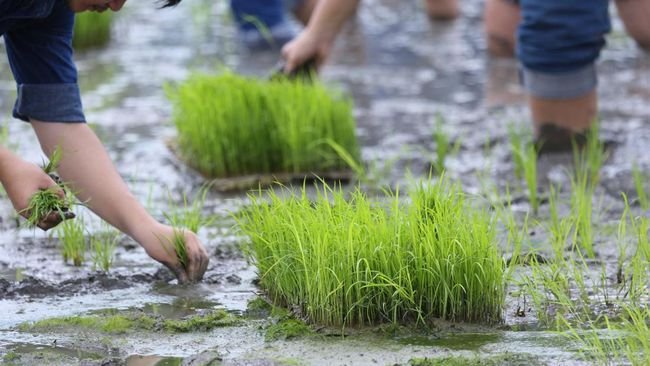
point(182, 252)
point(34, 194)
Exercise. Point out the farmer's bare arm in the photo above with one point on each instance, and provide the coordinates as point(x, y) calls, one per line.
point(22, 180)
point(89, 172)
point(315, 42)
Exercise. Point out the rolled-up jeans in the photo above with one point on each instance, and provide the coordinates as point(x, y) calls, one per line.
point(38, 39)
point(558, 43)
point(269, 13)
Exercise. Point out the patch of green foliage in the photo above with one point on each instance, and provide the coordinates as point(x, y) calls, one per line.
point(287, 329)
point(229, 125)
point(258, 308)
point(201, 323)
point(364, 261)
point(92, 29)
point(10, 357)
point(113, 324)
point(118, 323)
point(497, 360)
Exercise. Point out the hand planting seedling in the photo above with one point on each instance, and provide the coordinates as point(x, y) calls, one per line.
point(177, 247)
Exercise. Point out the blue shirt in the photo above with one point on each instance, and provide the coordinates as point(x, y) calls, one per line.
point(38, 39)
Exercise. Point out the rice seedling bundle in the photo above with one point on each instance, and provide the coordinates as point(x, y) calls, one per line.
point(91, 29)
point(229, 126)
point(361, 261)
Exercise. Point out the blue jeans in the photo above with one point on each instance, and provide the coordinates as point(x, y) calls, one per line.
point(38, 39)
point(558, 44)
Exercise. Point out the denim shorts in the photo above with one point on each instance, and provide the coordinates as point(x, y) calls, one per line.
point(558, 43)
point(38, 40)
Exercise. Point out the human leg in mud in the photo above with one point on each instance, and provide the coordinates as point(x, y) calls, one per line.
point(635, 15)
point(442, 9)
point(500, 21)
point(39, 46)
point(558, 43)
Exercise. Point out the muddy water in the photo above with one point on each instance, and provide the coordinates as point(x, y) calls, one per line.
point(402, 71)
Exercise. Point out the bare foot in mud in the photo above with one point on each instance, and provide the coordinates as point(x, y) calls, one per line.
point(188, 267)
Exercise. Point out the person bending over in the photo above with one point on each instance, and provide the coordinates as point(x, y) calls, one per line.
point(38, 40)
point(556, 41)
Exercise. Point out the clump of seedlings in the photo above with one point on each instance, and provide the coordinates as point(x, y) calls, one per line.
point(189, 216)
point(229, 126)
point(72, 235)
point(178, 246)
point(91, 29)
point(48, 201)
point(103, 245)
point(367, 261)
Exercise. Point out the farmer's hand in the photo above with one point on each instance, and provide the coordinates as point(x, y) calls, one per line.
point(22, 180)
point(304, 48)
point(197, 259)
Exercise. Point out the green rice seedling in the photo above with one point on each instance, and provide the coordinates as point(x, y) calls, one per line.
point(178, 246)
point(517, 234)
point(624, 339)
point(622, 240)
point(229, 125)
point(640, 188)
point(92, 29)
point(190, 216)
point(103, 247)
point(559, 228)
point(591, 157)
point(361, 261)
point(516, 139)
point(639, 268)
point(582, 191)
point(443, 145)
point(72, 235)
point(530, 174)
point(524, 157)
point(53, 163)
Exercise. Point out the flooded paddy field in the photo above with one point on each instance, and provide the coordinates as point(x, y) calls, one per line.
point(402, 71)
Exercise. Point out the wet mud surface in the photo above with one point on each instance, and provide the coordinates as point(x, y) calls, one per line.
point(403, 71)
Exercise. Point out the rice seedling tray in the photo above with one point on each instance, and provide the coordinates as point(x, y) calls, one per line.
point(252, 181)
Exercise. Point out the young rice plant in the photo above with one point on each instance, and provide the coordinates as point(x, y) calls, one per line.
point(364, 261)
point(73, 239)
point(229, 125)
point(103, 245)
